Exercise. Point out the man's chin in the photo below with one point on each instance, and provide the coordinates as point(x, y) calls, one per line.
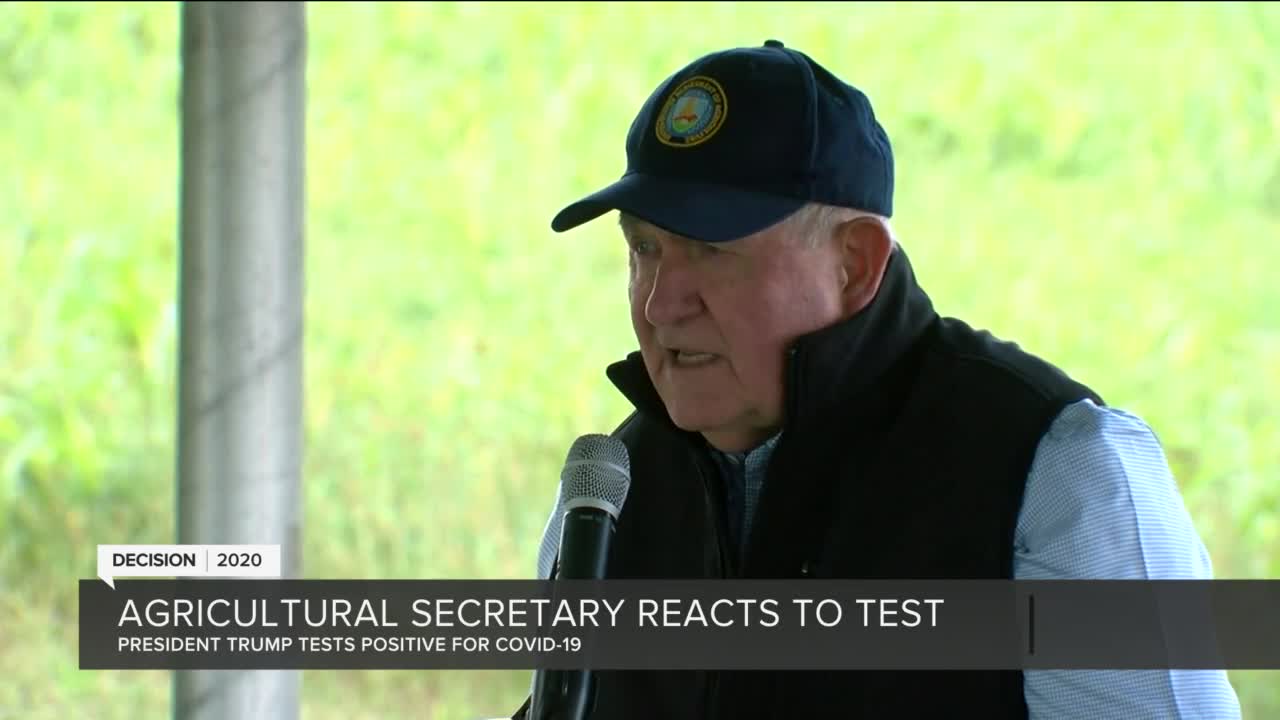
point(699, 422)
point(716, 431)
point(692, 423)
point(706, 418)
point(721, 432)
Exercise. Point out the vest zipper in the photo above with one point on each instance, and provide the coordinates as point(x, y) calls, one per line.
point(727, 566)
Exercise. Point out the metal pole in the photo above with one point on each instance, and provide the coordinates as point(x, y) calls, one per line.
point(241, 326)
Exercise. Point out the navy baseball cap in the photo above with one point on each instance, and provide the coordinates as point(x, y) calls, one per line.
point(742, 138)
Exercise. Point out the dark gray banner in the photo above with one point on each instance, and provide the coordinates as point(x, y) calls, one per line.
point(702, 624)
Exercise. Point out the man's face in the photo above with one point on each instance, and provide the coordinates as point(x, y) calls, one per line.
point(714, 322)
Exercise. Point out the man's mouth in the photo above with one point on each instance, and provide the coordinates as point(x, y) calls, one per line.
point(691, 358)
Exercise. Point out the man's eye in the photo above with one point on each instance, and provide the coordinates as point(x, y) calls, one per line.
point(642, 247)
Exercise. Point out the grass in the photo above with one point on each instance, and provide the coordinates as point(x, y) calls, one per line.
point(1101, 184)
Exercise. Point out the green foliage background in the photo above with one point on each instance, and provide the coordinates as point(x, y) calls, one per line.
point(1100, 184)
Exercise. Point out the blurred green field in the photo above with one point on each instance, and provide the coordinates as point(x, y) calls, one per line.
point(1101, 184)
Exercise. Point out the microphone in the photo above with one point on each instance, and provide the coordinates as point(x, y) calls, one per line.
point(593, 488)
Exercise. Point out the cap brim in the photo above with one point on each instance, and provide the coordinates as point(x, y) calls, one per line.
point(701, 211)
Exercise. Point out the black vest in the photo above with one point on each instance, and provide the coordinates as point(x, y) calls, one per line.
point(906, 448)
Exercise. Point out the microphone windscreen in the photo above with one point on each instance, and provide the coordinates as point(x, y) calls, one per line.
point(596, 474)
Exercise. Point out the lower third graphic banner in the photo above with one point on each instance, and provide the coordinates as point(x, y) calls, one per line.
point(695, 624)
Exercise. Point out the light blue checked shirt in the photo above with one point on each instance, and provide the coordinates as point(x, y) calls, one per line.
point(1100, 504)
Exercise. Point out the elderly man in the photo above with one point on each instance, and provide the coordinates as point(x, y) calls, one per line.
point(802, 411)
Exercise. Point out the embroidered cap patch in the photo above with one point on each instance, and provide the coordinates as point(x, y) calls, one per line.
point(693, 113)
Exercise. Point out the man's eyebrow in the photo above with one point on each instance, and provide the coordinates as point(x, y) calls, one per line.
point(628, 224)
point(632, 228)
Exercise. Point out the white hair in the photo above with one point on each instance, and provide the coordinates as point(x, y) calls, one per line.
point(815, 222)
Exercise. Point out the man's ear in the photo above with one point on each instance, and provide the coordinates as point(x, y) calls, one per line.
point(865, 246)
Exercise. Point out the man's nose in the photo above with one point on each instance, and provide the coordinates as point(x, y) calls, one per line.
point(673, 295)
